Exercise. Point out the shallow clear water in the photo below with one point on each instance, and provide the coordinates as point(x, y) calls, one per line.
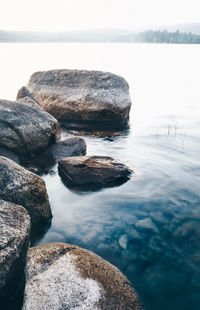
point(150, 226)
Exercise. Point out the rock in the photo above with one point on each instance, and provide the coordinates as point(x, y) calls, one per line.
point(26, 130)
point(25, 188)
point(7, 153)
point(30, 103)
point(146, 225)
point(92, 171)
point(24, 92)
point(79, 95)
point(63, 276)
point(67, 148)
point(14, 242)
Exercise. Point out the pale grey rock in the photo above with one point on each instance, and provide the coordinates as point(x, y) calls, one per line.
point(14, 241)
point(88, 172)
point(25, 188)
point(146, 224)
point(24, 129)
point(63, 276)
point(30, 103)
point(80, 95)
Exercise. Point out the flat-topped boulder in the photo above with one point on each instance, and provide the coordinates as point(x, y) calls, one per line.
point(25, 188)
point(64, 276)
point(14, 242)
point(80, 95)
point(88, 172)
point(24, 129)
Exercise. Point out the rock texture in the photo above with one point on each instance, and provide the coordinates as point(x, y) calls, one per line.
point(63, 276)
point(78, 95)
point(22, 187)
point(14, 241)
point(24, 129)
point(92, 171)
point(7, 153)
point(67, 148)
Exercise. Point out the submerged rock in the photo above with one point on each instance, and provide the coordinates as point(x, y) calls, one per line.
point(92, 171)
point(67, 148)
point(79, 95)
point(63, 276)
point(25, 188)
point(14, 242)
point(24, 129)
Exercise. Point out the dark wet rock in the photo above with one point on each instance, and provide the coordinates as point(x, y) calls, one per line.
point(14, 242)
point(92, 171)
point(82, 279)
point(78, 95)
point(26, 130)
point(20, 186)
point(67, 148)
point(7, 153)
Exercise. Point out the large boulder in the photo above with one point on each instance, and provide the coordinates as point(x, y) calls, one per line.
point(89, 172)
point(63, 276)
point(14, 242)
point(25, 188)
point(79, 95)
point(24, 129)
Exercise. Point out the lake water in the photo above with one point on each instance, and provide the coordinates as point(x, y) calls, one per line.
point(150, 226)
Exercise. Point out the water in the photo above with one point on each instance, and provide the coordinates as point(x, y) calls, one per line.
point(149, 227)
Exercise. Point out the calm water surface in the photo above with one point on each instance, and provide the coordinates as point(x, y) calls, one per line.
point(149, 227)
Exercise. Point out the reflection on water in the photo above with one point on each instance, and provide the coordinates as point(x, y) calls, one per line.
point(150, 226)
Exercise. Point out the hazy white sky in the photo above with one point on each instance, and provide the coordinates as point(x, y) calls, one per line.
point(63, 15)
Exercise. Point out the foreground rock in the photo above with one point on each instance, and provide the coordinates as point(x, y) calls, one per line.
point(24, 129)
point(22, 187)
point(63, 276)
point(78, 95)
point(14, 241)
point(92, 171)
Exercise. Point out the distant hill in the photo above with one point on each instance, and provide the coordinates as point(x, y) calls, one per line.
point(159, 34)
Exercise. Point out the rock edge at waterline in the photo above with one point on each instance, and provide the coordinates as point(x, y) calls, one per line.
point(25, 188)
point(92, 172)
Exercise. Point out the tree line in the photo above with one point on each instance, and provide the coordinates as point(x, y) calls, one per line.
point(158, 36)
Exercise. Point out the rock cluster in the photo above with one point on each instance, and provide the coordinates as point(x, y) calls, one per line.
point(58, 276)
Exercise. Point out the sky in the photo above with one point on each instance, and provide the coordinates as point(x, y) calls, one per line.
point(67, 15)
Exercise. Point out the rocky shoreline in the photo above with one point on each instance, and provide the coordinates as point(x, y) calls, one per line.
point(58, 275)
